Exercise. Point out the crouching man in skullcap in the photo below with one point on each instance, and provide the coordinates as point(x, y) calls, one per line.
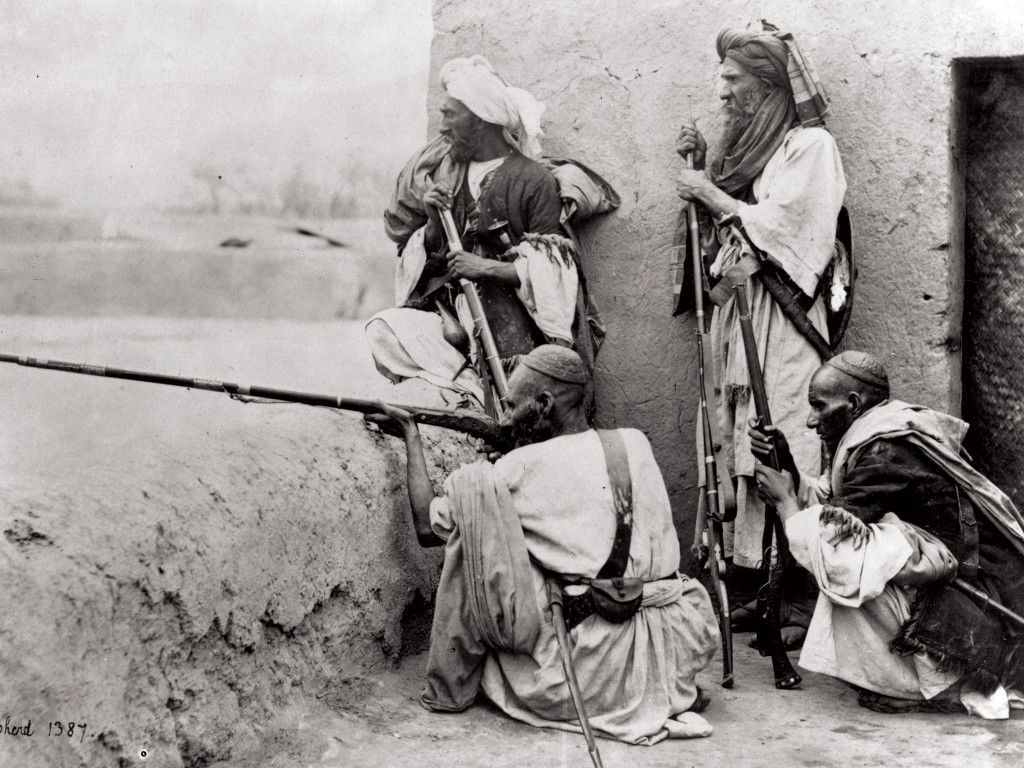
point(904, 514)
point(567, 507)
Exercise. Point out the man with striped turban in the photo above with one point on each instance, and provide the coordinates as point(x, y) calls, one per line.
point(896, 517)
point(508, 211)
point(778, 173)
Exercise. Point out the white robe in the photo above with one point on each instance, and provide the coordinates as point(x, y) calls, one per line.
point(861, 608)
point(799, 194)
point(638, 678)
point(859, 611)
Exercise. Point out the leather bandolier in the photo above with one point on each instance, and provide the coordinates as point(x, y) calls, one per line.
point(612, 596)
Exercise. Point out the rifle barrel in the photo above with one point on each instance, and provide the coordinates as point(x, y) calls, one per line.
point(471, 423)
point(711, 506)
point(693, 232)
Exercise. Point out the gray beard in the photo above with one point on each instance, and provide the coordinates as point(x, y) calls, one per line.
point(739, 118)
point(735, 125)
point(463, 151)
point(465, 145)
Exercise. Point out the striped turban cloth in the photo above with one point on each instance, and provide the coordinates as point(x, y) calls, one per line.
point(796, 97)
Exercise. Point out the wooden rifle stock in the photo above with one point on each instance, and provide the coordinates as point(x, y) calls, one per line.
point(459, 420)
point(707, 551)
point(476, 309)
point(785, 300)
point(769, 633)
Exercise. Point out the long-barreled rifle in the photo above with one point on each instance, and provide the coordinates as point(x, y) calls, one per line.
point(769, 633)
point(476, 308)
point(716, 502)
point(460, 420)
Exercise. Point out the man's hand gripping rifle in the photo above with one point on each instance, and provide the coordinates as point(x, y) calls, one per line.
point(769, 634)
point(482, 328)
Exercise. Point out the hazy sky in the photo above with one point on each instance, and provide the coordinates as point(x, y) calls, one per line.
point(115, 102)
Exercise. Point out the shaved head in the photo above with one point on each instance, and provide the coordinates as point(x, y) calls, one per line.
point(862, 368)
point(527, 382)
point(545, 395)
point(841, 390)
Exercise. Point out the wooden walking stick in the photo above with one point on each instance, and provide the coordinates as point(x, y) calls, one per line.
point(565, 651)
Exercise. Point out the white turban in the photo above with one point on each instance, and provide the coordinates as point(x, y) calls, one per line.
point(474, 82)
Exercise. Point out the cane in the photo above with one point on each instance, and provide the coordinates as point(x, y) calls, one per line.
point(987, 602)
point(562, 637)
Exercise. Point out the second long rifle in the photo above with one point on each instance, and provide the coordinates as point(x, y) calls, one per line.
point(770, 604)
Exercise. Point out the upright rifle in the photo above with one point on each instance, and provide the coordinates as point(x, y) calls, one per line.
point(459, 419)
point(476, 309)
point(769, 633)
point(716, 502)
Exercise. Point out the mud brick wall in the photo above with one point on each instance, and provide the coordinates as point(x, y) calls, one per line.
point(619, 77)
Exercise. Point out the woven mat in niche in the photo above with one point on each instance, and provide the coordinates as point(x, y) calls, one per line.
point(994, 275)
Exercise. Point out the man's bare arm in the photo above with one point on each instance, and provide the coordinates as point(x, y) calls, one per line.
point(474, 267)
point(400, 423)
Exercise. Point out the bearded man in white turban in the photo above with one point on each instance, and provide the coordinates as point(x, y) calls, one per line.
point(507, 208)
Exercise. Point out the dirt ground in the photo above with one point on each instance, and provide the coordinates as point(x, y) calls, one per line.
point(818, 725)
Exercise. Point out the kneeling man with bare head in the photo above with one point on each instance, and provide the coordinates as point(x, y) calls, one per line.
point(899, 516)
point(570, 506)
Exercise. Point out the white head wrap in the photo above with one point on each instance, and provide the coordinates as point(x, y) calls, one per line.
point(474, 82)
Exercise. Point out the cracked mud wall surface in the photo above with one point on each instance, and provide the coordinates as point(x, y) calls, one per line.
point(176, 565)
point(618, 79)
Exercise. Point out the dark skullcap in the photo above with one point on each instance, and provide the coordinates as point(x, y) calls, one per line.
point(761, 53)
point(863, 367)
point(555, 362)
